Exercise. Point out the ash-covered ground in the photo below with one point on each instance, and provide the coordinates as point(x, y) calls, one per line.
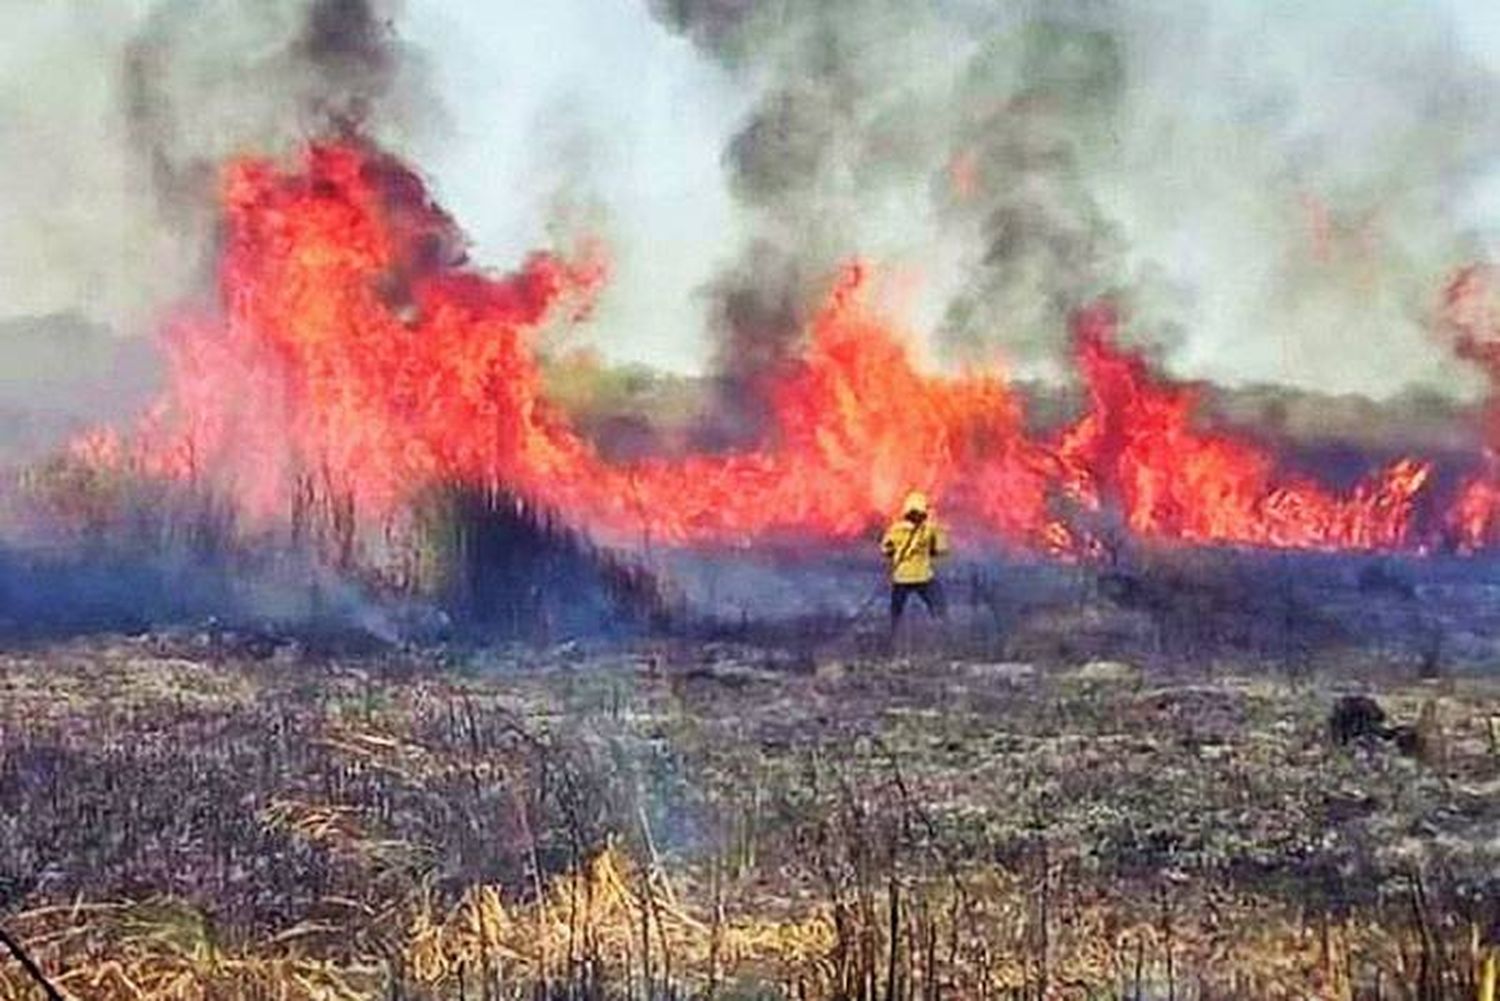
point(198, 814)
point(712, 773)
point(1173, 608)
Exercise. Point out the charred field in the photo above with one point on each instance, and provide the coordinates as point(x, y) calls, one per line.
point(350, 702)
point(198, 813)
point(492, 759)
point(379, 639)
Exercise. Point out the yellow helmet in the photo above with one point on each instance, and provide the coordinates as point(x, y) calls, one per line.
point(915, 503)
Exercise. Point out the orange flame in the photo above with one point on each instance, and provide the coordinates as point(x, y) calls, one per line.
point(354, 345)
point(1176, 483)
point(1471, 317)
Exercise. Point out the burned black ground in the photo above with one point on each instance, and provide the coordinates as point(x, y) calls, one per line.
point(181, 814)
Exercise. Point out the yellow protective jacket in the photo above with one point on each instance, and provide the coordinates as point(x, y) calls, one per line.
point(911, 549)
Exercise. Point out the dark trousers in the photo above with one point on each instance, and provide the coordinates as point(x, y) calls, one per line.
point(930, 592)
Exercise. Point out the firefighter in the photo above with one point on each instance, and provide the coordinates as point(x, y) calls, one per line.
point(911, 544)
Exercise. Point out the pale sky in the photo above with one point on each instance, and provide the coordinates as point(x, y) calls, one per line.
point(588, 101)
point(638, 119)
point(557, 117)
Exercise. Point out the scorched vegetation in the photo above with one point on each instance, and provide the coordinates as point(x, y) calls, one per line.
point(201, 818)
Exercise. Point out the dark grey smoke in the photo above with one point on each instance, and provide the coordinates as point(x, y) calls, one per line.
point(830, 124)
point(1254, 181)
point(860, 107)
point(1032, 104)
point(715, 25)
point(350, 46)
point(196, 81)
point(120, 121)
point(759, 309)
point(203, 80)
point(109, 196)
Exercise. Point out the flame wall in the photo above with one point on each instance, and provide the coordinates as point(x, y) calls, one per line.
point(353, 347)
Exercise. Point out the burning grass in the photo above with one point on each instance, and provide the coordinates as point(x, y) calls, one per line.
point(384, 365)
point(684, 821)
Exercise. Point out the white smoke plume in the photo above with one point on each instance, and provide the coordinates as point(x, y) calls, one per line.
point(118, 117)
point(1275, 190)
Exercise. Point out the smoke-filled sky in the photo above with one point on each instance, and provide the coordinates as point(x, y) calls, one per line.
point(1274, 188)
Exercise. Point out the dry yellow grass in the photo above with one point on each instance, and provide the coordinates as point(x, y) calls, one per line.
point(616, 924)
point(437, 818)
